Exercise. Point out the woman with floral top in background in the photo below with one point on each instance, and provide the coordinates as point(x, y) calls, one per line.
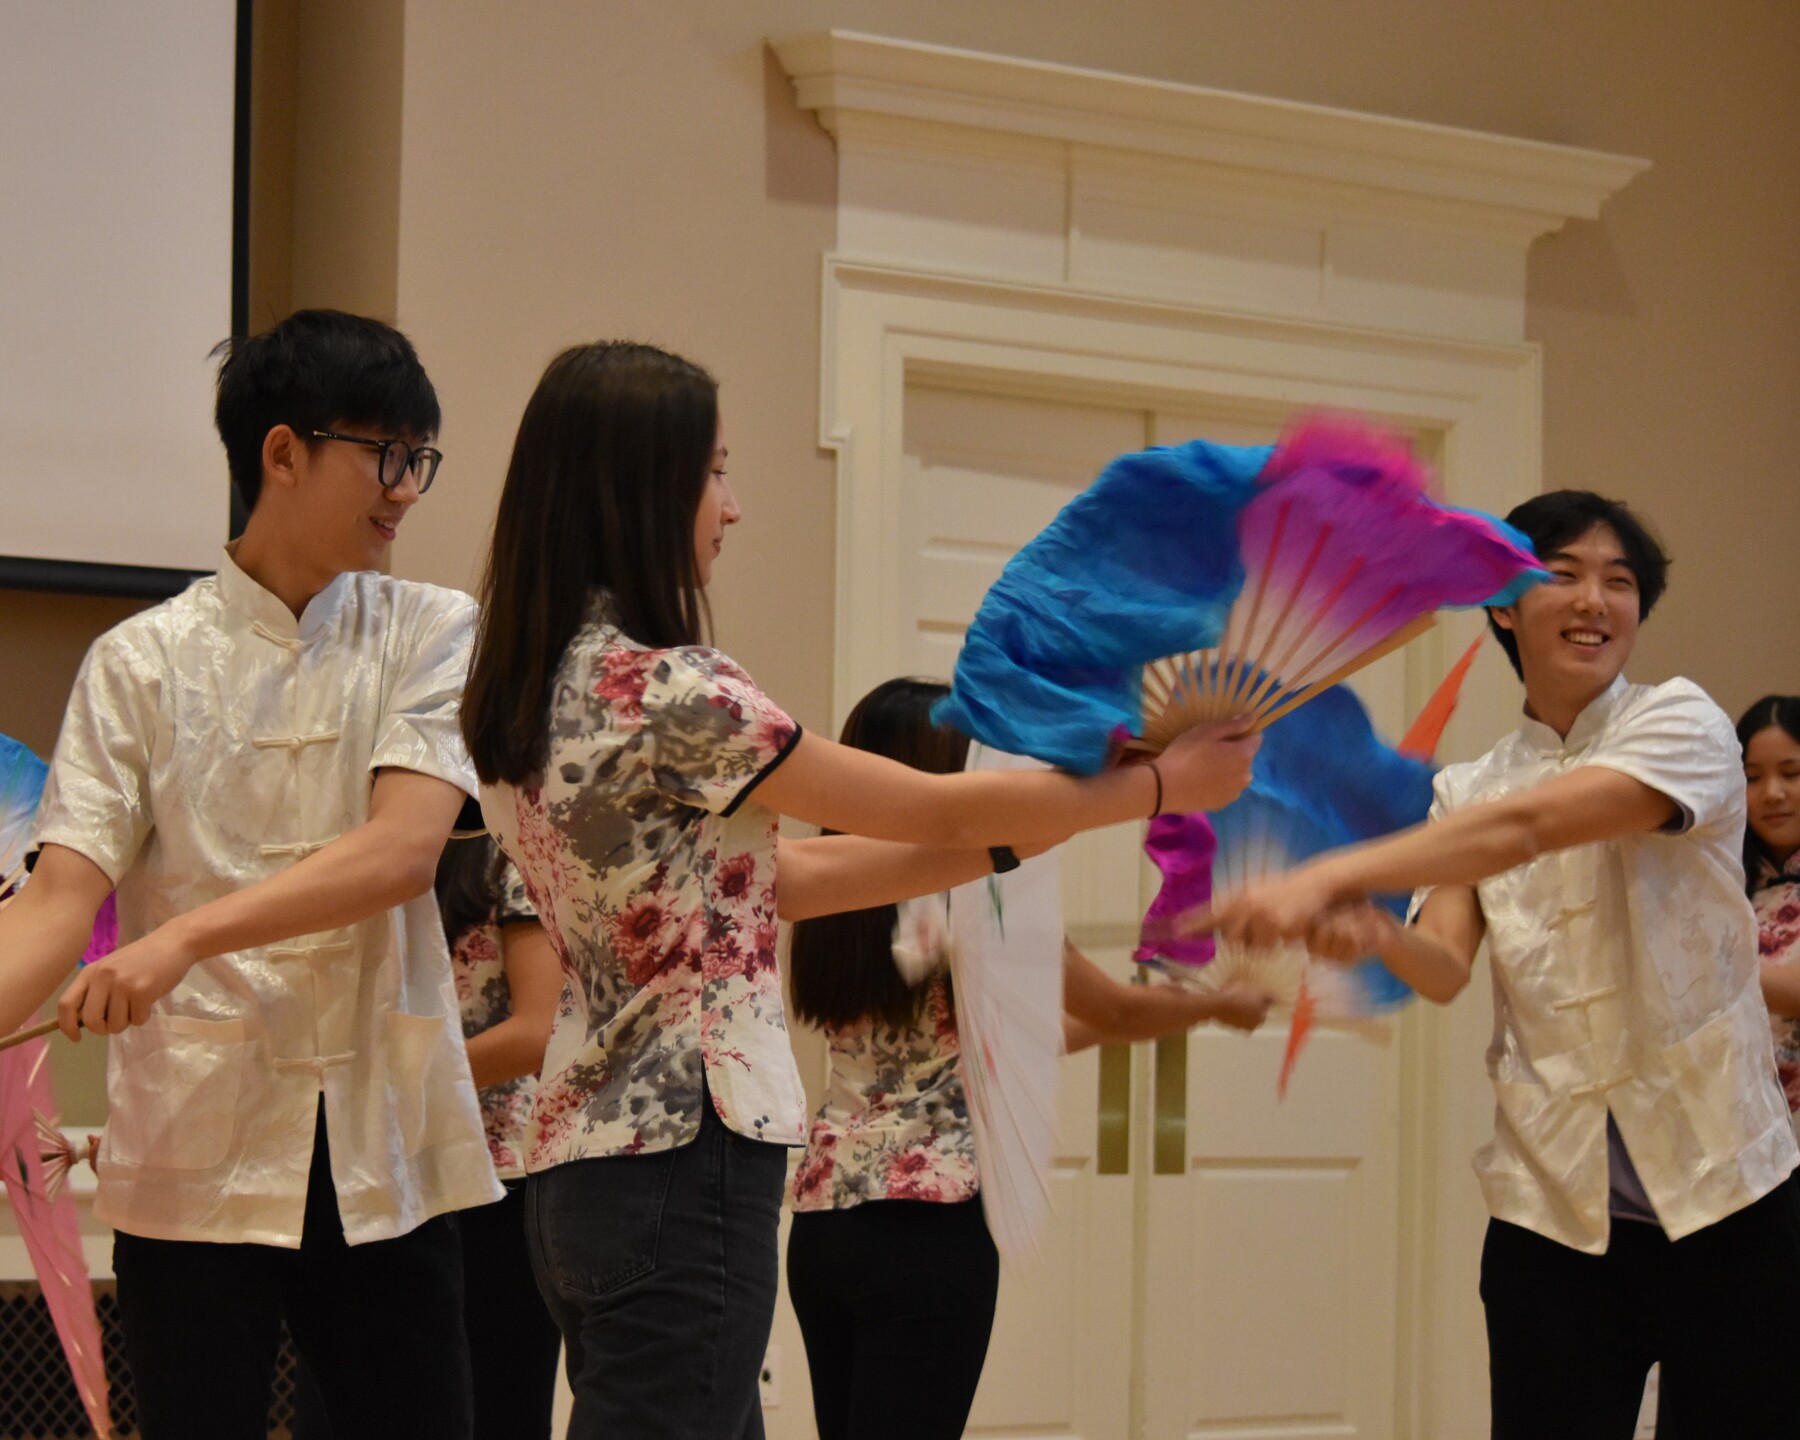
point(895, 1128)
point(634, 776)
point(507, 984)
point(1770, 734)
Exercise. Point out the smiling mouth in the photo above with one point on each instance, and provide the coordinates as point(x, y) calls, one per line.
point(1586, 639)
point(388, 528)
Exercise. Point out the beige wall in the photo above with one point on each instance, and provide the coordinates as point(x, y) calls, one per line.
point(575, 170)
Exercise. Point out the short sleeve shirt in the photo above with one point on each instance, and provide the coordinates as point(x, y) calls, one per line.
point(895, 1122)
point(1626, 982)
point(211, 742)
point(478, 961)
point(652, 869)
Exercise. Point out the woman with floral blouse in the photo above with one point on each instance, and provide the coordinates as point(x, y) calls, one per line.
point(634, 775)
point(507, 984)
point(895, 1128)
point(1770, 734)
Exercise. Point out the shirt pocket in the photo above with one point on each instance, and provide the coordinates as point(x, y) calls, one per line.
point(430, 1090)
point(175, 1106)
point(1718, 1075)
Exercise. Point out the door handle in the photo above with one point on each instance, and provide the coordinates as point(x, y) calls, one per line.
point(1169, 1132)
point(1112, 1149)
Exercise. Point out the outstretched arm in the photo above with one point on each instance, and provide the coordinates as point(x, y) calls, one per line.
point(1580, 808)
point(839, 788)
point(385, 861)
point(1435, 954)
point(828, 874)
point(45, 930)
point(1098, 1010)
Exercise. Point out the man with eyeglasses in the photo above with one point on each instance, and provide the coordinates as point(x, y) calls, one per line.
point(267, 767)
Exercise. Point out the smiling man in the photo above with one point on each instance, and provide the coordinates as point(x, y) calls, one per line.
point(267, 767)
point(1640, 1175)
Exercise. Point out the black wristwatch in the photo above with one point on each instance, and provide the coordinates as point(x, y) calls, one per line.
point(1003, 858)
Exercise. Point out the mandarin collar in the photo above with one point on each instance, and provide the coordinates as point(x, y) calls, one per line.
point(266, 612)
point(1544, 739)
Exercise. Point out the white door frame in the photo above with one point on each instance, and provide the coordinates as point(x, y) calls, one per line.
point(1479, 402)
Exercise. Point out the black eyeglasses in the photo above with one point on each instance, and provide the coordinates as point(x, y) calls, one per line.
point(393, 458)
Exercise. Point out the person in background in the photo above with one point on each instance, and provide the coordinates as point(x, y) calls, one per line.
point(1770, 734)
point(888, 1192)
point(507, 983)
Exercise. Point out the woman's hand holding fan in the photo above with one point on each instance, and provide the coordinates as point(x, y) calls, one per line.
point(1206, 768)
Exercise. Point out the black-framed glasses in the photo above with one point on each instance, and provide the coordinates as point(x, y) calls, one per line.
point(393, 458)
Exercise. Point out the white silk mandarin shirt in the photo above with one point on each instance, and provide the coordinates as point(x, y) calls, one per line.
point(210, 743)
point(1626, 979)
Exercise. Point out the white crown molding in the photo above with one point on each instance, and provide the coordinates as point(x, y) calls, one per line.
point(841, 74)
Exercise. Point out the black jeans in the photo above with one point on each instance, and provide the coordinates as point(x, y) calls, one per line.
point(895, 1300)
point(661, 1269)
point(513, 1342)
point(1572, 1336)
point(379, 1326)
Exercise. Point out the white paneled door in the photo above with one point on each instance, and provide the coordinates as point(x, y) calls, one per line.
point(1218, 1264)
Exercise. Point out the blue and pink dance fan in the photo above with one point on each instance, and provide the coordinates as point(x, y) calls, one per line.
point(1202, 582)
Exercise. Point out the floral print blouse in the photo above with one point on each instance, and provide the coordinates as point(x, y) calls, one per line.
point(895, 1122)
point(653, 873)
point(477, 961)
point(1777, 901)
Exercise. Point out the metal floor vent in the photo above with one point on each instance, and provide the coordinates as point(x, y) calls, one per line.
point(37, 1397)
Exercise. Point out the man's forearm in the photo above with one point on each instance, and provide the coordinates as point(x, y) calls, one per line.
point(1425, 963)
point(1584, 806)
point(40, 943)
point(362, 873)
point(1463, 849)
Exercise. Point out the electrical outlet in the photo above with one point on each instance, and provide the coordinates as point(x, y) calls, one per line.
point(771, 1378)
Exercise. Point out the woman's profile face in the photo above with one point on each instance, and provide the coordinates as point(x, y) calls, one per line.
point(718, 508)
point(1772, 789)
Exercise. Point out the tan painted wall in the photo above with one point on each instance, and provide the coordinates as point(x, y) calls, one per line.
point(573, 170)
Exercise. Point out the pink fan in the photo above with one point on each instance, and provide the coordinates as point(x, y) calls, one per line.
point(48, 1226)
point(46, 1218)
point(1346, 557)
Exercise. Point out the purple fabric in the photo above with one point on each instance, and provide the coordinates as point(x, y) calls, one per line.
point(1347, 545)
point(1182, 847)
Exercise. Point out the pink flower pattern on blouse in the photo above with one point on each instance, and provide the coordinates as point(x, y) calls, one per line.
point(477, 962)
point(1777, 901)
point(895, 1122)
point(653, 871)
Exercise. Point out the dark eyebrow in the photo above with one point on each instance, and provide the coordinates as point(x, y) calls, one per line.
point(1563, 555)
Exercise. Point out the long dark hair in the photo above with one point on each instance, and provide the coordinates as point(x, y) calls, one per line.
point(607, 473)
point(468, 884)
point(1783, 712)
point(842, 966)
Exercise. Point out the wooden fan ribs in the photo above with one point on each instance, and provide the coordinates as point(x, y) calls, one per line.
point(1227, 681)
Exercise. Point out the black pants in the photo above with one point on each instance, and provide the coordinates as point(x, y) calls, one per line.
point(661, 1270)
point(379, 1326)
point(1571, 1337)
point(895, 1300)
point(513, 1342)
